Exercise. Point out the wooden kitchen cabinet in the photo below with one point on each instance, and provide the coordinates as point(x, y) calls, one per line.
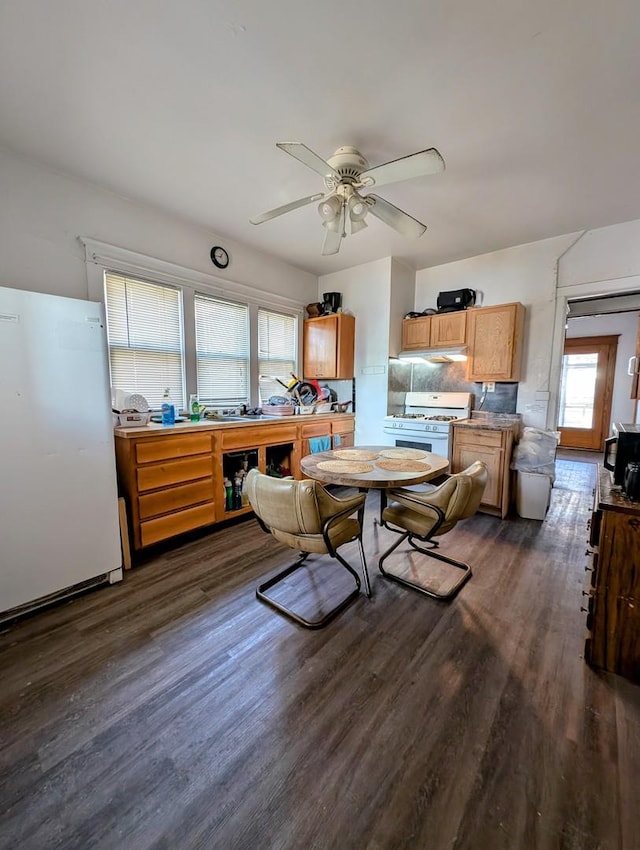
point(342, 432)
point(329, 347)
point(493, 446)
point(416, 333)
point(612, 597)
point(494, 340)
point(449, 329)
point(172, 479)
point(168, 482)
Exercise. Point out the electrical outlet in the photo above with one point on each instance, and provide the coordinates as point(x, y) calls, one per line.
point(488, 386)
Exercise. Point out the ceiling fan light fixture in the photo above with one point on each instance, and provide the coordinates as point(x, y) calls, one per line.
point(357, 224)
point(357, 208)
point(329, 210)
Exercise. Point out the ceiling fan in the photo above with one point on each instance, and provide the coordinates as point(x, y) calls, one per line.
point(346, 174)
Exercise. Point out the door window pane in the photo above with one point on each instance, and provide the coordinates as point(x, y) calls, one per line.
point(577, 393)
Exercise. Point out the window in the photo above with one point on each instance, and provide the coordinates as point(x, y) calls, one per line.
point(222, 351)
point(170, 326)
point(577, 390)
point(277, 346)
point(144, 329)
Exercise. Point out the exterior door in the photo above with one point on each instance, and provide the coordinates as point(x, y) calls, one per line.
point(586, 390)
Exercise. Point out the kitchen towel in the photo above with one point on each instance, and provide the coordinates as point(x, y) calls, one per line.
point(319, 444)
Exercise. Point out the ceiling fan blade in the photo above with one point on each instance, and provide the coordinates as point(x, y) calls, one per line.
point(415, 165)
point(399, 220)
point(285, 208)
point(306, 156)
point(333, 235)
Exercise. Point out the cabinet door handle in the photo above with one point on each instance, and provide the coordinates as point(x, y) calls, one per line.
point(588, 552)
point(631, 368)
point(588, 569)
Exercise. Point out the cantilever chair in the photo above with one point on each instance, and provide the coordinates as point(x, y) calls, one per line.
point(306, 517)
point(424, 516)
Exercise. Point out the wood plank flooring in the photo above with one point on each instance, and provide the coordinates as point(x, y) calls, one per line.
point(176, 711)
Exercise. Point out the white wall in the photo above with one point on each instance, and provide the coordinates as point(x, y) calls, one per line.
point(43, 213)
point(403, 284)
point(626, 325)
point(526, 273)
point(543, 275)
point(602, 255)
point(366, 292)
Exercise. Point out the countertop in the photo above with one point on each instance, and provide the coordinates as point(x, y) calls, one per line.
point(611, 498)
point(216, 424)
point(493, 423)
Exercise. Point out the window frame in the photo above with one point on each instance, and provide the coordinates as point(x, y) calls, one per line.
point(101, 257)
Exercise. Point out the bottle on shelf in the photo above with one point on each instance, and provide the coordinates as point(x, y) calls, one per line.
point(244, 495)
point(228, 495)
point(168, 409)
point(237, 493)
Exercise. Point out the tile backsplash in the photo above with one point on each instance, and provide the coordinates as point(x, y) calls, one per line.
point(445, 377)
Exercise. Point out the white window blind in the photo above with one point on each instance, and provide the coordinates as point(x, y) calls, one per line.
point(144, 329)
point(277, 346)
point(222, 351)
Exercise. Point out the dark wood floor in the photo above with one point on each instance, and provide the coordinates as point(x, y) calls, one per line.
point(176, 711)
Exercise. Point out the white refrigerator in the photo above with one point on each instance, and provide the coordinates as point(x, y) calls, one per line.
point(59, 528)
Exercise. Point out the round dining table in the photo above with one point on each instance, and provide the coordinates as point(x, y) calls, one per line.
point(377, 478)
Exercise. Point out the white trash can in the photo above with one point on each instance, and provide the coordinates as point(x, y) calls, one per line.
point(533, 494)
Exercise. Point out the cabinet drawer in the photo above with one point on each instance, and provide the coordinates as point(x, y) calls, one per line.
point(316, 429)
point(173, 446)
point(154, 530)
point(478, 437)
point(173, 472)
point(347, 427)
point(245, 438)
point(174, 498)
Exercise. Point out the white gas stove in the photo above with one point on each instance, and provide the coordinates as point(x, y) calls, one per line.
point(426, 420)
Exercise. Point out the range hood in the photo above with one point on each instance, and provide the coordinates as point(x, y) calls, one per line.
point(451, 354)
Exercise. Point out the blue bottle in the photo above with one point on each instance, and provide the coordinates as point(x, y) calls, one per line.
point(168, 409)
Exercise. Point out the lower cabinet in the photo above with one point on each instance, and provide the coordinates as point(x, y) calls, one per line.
point(612, 595)
point(493, 447)
point(342, 432)
point(168, 483)
point(174, 482)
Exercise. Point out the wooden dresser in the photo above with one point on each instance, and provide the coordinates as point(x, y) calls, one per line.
point(613, 592)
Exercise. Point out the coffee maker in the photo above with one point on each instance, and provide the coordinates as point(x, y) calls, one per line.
point(331, 302)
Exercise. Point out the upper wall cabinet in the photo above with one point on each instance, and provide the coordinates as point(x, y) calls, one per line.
point(437, 331)
point(328, 346)
point(494, 339)
point(416, 333)
point(449, 329)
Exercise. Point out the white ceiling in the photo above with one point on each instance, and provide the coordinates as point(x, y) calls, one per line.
point(533, 105)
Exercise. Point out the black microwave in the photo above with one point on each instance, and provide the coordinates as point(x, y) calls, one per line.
point(621, 449)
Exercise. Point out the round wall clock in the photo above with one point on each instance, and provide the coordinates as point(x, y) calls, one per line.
point(219, 257)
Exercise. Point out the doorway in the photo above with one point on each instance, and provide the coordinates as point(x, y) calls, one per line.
point(586, 390)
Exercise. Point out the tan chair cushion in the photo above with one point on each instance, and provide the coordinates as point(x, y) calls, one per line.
point(296, 511)
point(458, 498)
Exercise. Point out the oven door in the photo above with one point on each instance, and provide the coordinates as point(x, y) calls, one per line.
point(436, 442)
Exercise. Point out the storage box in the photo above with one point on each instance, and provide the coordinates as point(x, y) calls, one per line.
point(132, 419)
point(533, 494)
